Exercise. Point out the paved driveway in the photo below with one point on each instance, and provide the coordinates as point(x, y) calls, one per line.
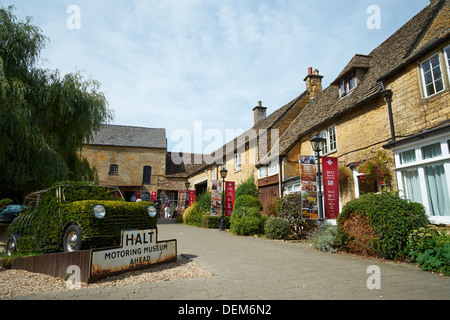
point(249, 268)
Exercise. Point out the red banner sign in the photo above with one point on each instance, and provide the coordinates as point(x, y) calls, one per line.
point(229, 198)
point(331, 187)
point(191, 199)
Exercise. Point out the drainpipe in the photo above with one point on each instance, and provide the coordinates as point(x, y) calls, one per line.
point(387, 94)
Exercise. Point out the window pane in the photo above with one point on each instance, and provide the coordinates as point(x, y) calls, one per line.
point(411, 185)
point(439, 85)
point(430, 90)
point(434, 61)
point(426, 67)
point(428, 78)
point(332, 138)
point(408, 156)
point(431, 151)
point(437, 190)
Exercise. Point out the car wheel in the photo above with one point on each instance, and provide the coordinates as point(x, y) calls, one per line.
point(72, 239)
point(11, 246)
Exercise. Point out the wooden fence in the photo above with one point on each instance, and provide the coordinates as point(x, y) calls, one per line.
point(56, 264)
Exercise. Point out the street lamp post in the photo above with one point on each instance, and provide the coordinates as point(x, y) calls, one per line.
point(223, 174)
point(186, 200)
point(317, 144)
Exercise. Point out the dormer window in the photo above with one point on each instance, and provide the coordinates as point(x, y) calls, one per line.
point(347, 85)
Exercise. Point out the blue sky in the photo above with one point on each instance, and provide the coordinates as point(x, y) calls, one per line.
point(172, 63)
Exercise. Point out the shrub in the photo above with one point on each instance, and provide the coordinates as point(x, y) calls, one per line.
point(247, 188)
point(247, 201)
point(277, 228)
point(327, 239)
point(391, 217)
point(213, 222)
point(429, 248)
point(247, 221)
point(290, 208)
point(193, 214)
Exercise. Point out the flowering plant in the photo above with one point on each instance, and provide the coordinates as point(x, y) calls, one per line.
point(376, 169)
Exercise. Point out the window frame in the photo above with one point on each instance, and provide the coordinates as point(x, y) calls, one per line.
point(331, 140)
point(447, 60)
point(422, 74)
point(113, 170)
point(237, 162)
point(420, 163)
point(344, 85)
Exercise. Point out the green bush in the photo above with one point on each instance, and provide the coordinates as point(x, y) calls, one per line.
point(247, 188)
point(327, 239)
point(277, 228)
point(193, 215)
point(392, 218)
point(429, 248)
point(42, 229)
point(247, 201)
point(246, 218)
point(213, 222)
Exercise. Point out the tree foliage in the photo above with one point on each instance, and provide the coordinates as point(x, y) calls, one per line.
point(44, 117)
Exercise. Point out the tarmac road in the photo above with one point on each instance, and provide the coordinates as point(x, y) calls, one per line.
point(249, 268)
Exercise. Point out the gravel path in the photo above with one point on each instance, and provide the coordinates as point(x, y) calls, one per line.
point(17, 283)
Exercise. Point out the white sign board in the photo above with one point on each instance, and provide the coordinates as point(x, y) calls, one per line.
point(139, 248)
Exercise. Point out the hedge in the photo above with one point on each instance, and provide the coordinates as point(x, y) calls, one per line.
point(392, 219)
point(47, 222)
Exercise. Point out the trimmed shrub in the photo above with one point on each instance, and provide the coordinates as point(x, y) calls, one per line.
point(392, 219)
point(42, 229)
point(277, 228)
point(247, 188)
point(193, 215)
point(247, 222)
point(213, 222)
point(247, 201)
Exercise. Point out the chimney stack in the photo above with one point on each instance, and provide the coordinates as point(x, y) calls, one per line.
point(313, 82)
point(259, 112)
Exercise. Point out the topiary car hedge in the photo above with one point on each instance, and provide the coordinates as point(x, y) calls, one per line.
point(71, 216)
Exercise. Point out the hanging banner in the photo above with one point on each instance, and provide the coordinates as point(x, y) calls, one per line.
point(331, 187)
point(216, 198)
point(153, 196)
point(191, 199)
point(181, 207)
point(229, 198)
point(308, 187)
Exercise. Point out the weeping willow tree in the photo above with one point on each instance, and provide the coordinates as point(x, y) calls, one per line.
point(44, 117)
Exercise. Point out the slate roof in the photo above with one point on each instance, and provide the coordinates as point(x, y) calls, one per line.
point(382, 60)
point(128, 136)
point(264, 124)
point(183, 170)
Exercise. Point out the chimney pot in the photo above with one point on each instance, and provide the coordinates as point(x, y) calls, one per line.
point(310, 71)
point(259, 112)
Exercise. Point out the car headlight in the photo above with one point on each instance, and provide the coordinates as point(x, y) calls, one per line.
point(151, 211)
point(99, 211)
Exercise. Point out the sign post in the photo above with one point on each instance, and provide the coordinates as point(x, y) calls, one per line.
point(139, 248)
